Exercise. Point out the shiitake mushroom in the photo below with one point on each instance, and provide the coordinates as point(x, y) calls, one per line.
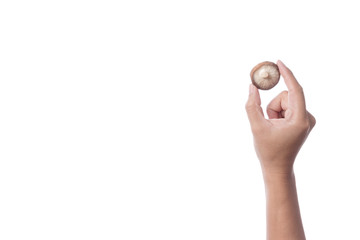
point(265, 75)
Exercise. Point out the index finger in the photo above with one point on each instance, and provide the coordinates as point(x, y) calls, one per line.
point(296, 94)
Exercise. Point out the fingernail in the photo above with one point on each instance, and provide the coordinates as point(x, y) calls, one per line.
point(280, 62)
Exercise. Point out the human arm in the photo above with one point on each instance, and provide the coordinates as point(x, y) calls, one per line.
point(277, 141)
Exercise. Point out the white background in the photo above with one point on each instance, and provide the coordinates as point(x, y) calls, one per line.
point(125, 119)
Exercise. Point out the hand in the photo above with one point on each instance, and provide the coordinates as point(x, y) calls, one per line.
point(278, 139)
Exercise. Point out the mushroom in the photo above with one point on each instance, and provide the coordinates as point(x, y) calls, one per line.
point(265, 75)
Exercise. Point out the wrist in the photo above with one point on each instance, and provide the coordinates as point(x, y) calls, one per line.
point(278, 176)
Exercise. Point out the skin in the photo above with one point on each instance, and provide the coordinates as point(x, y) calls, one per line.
point(277, 141)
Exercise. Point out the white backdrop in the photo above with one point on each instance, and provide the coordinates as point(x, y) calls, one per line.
point(125, 119)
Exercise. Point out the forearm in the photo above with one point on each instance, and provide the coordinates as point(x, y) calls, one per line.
point(282, 208)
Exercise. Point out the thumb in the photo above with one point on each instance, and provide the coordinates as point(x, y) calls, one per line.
point(253, 108)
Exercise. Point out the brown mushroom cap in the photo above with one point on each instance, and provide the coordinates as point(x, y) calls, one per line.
point(265, 75)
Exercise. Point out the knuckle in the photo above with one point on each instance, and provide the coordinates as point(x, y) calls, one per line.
point(305, 125)
point(284, 93)
point(298, 88)
point(312, 122)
